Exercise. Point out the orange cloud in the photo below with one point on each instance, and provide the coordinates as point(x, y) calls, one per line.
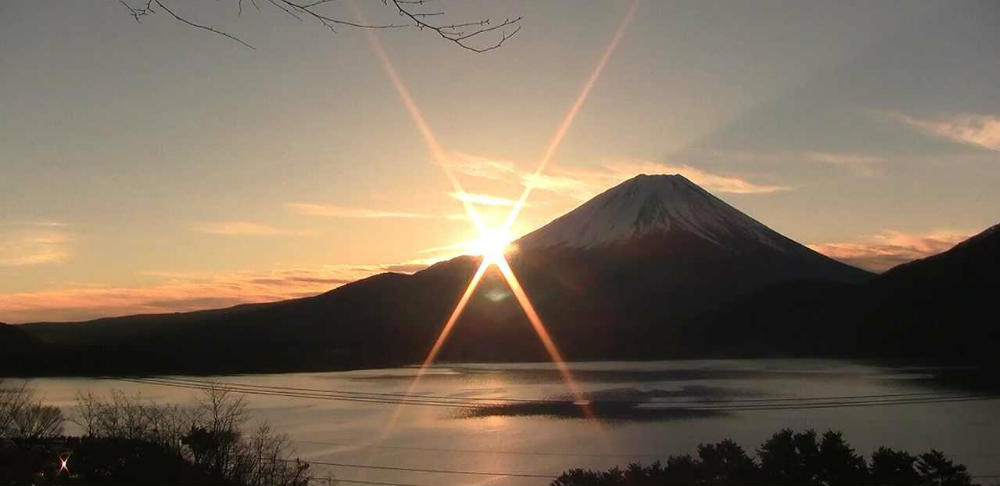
point(979, 130)
point(483, 167)
point(244, 228)
point(483, 199)
point(38, 244)
point(890, 248)
point(349, 212)
point(180, 292)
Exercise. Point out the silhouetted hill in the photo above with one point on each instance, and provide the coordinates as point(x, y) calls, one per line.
point(938, 308)
point(14, 339)
point(365, 323)
point(613, 279)
point(18, 349)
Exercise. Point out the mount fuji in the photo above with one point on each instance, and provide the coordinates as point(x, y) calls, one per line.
point(613, 279)
point(675, 232)
point(650, 204)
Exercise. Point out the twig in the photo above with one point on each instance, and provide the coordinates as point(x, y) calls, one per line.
point(449, 32)
point(459, 33)
point(200, 26)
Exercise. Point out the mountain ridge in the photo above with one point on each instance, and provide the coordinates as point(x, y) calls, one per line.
point(644, 296)
point(931, 309)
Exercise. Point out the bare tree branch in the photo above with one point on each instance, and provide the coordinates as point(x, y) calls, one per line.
point(330, 21)
point(200, 26)
point(451, 32)
point(284, 9)
point(463, 34)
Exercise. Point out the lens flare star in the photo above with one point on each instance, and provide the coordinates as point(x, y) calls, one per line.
point(493, 243)
point(63, 463)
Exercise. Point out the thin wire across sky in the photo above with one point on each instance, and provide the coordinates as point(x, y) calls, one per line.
point(734, 404)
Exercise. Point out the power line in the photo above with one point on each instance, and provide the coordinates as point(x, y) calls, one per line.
point(427, 470)
point(536, 400)
point(478, 451)
point(252, 391)
point(849, 404)
point(356, 396)
point(320, 390)
point(749, 404)
point(763, 404)
point(479, 473)
point(341, 481)
point(803, 403)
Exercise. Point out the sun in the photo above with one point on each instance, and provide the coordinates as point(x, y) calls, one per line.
point(492, 244)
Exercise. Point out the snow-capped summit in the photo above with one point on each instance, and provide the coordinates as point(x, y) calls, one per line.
point(651, 204)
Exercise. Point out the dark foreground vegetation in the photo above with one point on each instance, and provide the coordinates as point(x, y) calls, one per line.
point(128, 440)
point(787, 458)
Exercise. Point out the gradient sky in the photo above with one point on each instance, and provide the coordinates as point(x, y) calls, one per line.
point(152, 167)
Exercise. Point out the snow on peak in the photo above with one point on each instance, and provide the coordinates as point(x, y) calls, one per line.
point(649, 204)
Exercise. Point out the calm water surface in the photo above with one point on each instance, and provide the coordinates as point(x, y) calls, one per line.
point(647, 410)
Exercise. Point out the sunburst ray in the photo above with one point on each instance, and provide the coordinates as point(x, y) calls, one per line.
point(494, 254)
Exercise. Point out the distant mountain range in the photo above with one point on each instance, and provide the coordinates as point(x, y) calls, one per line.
point(939, 309)
point(655, 267)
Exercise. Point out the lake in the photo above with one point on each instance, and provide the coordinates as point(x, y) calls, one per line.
point(518, 419)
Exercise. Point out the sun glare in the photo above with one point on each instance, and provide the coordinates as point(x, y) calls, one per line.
point(492, 244)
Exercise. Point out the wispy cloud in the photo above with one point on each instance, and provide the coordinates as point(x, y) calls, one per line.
point(34, 243)
point(446, 250)
point(582, 184)
point(245, 228)
point(579, 185)
point(889, 248)
point(179, 292)
point(860, 164)
point(483, 167)
point(404, 267)
point(710, 181)
point(44, 224)
point(483, 199)
point(333, 211)
point(970, 129)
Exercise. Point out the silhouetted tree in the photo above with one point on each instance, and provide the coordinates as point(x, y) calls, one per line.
point(130, 417)
point(680, 470)
point(837, 463)
point(208, 435)
point(893, 468)
point(23, 416)
point(790, 458)
point(786, 458)
point(580, 477)
point(725, 463)
point(645, 476)
point(937, 470)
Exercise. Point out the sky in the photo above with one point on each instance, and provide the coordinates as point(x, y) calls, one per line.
point(153, 167)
